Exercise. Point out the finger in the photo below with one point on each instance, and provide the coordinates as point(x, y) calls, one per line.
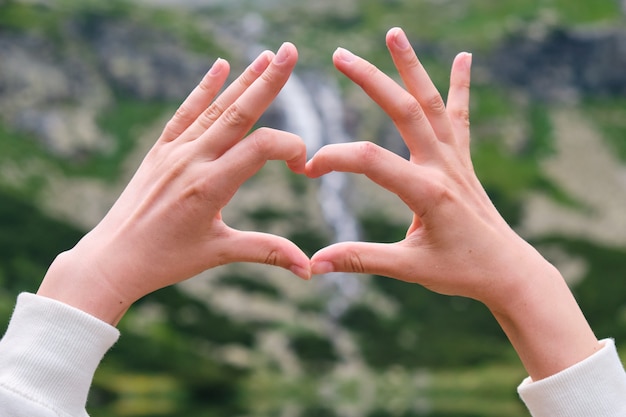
point(197, 101)
point(267, 249)
point(402, 107)
point(412, 183)
point(387, 259)
point(239, 117)
point(419, 84)
point(248, 156)
point(459, 99)
point(211, 112)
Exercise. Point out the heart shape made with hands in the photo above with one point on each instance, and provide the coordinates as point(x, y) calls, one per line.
point(172, 207)
point(167, 224)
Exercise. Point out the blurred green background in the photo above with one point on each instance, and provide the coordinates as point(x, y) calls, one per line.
point(86, 86)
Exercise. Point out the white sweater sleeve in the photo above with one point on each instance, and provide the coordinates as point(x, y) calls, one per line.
point(48, 357)
point(594, 387)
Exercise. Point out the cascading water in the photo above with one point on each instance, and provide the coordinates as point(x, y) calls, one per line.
point(314, 111)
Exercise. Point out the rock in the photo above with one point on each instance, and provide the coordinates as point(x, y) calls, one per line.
point(68, 131)
point(146, 63)
point(52, 94)
point(55, 90)
point(564, 64)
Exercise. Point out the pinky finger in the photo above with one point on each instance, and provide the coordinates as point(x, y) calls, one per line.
point(459, 98)
point(197, 101)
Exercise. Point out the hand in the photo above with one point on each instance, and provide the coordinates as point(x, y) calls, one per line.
point(455, 232)
point(167, 224)
point(457, 243)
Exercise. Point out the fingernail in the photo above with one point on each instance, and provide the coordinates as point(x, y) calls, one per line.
point(401, 40)
point(282, 54)
point(301, 272)
point(344, 55)
point(463, 61)
point(217, 67)
point(261, 62)
point(318, 268)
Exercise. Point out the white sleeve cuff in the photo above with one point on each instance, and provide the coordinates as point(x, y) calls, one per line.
point(50, 352)
point(594, 387)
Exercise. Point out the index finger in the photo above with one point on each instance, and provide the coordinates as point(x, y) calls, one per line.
point(408, 181)
point(404, 109)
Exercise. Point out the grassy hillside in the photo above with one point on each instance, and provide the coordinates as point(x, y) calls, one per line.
point(247, 340)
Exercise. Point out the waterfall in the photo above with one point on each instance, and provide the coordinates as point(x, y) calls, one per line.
point(314, 111)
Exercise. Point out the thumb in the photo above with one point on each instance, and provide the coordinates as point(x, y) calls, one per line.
point(360, 257)
point(267, 249)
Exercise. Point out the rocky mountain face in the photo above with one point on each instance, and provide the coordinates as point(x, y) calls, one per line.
point(55, 89)
point(556, 64)
point(85, 90)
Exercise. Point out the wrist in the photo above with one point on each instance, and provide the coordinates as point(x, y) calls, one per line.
point(73, 280)
point(543, 321)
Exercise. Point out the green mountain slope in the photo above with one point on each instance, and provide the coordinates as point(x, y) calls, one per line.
point(86, 86)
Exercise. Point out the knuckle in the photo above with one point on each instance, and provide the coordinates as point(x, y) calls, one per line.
point(272, 257)
point(270, 77)
point(263, 134)
point(261, 142)
point(182, 113)
point(235, 116)
point(461, 83)
point(412, 63)
point(171, 130)
point(245, 80)
point(369, 72)
point(435, 104)
point(210, 115)
point(175, 126)
point(206, 86)
point(463, 116)
point(411, 111)
point(354, 263)
point(369, 153)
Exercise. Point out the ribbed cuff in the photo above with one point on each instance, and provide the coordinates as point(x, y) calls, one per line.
point(50, 352)
point(594, 387)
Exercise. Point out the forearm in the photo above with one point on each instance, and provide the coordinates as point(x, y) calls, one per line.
point(543, 320)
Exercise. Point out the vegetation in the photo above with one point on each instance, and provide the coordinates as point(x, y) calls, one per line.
point(610, 115)
point(194, 353)
point(29, 241)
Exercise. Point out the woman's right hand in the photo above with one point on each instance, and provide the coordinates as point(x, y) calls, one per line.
point(167, 224)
